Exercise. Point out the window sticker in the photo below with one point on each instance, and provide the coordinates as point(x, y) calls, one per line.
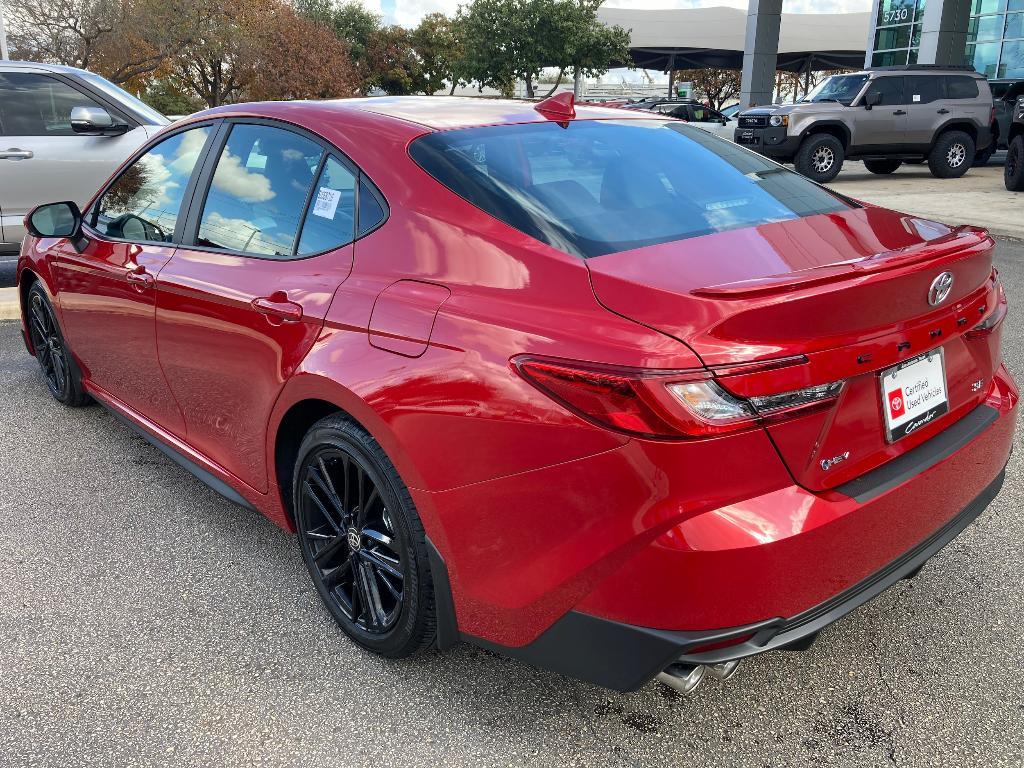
point(326, 202)
point(917, 97)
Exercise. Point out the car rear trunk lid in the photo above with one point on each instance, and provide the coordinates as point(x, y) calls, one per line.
point(846, 296)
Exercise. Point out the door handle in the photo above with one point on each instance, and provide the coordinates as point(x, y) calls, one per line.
point(13, 153)
point(139, 278)
point(900, 112)
point(277, 307)
point(943, 111)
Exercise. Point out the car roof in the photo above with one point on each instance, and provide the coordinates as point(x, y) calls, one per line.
point(431, 112)
point(442, 112)
point(57, 68)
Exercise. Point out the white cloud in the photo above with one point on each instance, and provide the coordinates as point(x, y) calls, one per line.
point(232, 177)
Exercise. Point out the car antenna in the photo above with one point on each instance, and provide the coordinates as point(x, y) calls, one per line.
point(561, 107)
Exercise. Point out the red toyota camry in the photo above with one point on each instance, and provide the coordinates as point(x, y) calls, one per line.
point(592, 388)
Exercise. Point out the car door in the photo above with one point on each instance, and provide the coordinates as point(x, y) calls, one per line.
point(926, 108)
point(885, 124)
point(241, 304)
point(711, 121)
point(42, 160)
point(107, 290)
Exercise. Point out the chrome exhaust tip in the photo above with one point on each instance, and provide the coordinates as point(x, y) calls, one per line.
point(682, 677)
point(723, 670)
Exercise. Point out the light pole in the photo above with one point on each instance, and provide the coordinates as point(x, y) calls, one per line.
point(3, 34)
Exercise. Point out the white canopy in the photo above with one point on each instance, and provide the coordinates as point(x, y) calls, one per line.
point(714, 37)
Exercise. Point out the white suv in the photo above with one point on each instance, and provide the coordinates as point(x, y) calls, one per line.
point(63, 131)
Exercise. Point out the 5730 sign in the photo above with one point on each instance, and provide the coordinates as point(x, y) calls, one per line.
point(896, 15)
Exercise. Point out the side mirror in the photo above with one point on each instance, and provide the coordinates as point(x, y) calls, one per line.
point(872, 100)
point(94, 120)
point(56, 220)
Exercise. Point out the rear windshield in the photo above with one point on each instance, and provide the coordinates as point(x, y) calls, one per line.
point(597, 187)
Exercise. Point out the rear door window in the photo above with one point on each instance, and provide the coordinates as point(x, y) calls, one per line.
point(259, 190)
point(924, 89)
point(598, 187)
point(331, 218)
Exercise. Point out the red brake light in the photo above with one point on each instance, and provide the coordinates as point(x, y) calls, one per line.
point(658, 403)
point(612, 398)
point(990, 323)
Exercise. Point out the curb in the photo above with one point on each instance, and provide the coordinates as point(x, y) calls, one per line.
point(10, 307)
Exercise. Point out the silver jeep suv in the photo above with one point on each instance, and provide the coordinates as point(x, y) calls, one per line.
point(63, 131)
point(884, 116)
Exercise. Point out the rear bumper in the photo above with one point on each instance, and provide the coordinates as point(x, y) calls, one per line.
point(624, 657)
point(764, 573)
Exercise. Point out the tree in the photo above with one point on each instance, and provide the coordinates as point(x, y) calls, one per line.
point(354, 24)
point(510, 40)
point(165, 94)
point(391, 63)
point(292, 58)
point(438, 45)
point(716, 85)
point(262, 49)
point(594, 47)
point(121, 39)
point(384, 57)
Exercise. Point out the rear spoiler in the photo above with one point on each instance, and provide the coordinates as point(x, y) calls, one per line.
point(961, 241)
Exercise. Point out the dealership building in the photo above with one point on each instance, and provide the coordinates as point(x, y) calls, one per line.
point(986, 33)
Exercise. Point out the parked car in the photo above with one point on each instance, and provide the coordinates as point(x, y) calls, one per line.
point(883, 116)
point(515, 378)
point(62, 132)
point(701, 116)
point(1013, 171)
point(1004, 94)
point(656, 101)
point(731, 111)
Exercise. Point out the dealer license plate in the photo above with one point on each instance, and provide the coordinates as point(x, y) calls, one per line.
point(914, 394)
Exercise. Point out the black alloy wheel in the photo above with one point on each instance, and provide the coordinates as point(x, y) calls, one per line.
point(362, 541)
point(820, 157)
point(952, 155)
point(55, 361)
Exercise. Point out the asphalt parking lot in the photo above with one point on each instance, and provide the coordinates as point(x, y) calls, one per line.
point(146, 621)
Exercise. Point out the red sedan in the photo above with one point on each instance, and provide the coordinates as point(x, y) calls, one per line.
point(590, 387)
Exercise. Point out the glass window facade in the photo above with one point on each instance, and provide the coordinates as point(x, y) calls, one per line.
point(995, 36)
point(897, 32)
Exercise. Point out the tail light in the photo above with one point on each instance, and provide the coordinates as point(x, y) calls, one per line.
point(662, 404)
point(989, 324)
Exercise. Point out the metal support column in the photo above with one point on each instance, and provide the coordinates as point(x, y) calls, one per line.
point(760, 52)
point(944, 32)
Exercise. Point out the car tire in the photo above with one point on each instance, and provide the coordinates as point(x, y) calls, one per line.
point(820, 157)
point(952, 155)
point(882, 167)
point(362, 540)
point(1013, 171)
point(63, 378)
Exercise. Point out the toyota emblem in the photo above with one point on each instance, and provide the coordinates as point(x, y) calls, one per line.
point(940, 288)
